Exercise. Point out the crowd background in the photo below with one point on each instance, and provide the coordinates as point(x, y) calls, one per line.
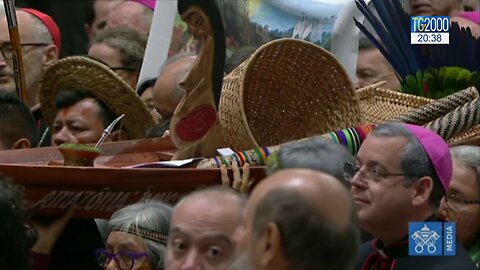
point(320, 207)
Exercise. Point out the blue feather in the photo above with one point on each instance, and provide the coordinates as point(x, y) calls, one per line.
point(384, 37)
point(392, 26)
point(395, 43)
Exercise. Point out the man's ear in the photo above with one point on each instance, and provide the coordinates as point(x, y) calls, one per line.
point(22, 143)
point(271, 247)
point(50, 55)
point(423, 190)
point(118, 135)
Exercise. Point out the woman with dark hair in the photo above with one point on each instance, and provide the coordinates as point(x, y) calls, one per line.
point(14, 242)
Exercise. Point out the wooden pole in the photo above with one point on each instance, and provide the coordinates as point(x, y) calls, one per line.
point(17, 59)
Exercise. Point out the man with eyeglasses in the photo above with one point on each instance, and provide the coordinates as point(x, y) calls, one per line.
point(40, 40)
point(41, 43)
point(401, 174)
point(122, 50)
point(462, 201)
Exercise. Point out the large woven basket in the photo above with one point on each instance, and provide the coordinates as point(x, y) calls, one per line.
point(287, 90)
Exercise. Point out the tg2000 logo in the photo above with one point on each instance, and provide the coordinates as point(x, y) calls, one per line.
point(429, 30)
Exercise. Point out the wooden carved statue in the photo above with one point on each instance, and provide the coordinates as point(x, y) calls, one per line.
point(195, 125)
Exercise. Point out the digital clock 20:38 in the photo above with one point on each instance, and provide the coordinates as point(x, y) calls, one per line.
point(430, 38)
point(429, 30)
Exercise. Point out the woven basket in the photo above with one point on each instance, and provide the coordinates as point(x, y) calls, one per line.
point(380, 105)
point(439, 107)
point(470, 137)
point(287, 90)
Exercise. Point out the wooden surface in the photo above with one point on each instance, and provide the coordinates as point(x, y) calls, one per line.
point(98, 191)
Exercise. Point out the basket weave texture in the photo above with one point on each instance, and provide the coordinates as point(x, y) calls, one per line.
point(454, 117)
point(471, 136)
point(380, 105)
point(287, 90)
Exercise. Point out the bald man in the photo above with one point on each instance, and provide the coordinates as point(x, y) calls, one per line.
point(166, 93)
point(132, 15)
point(98, 21)
point(39, 52)
point(298, 219)
point(202, 228)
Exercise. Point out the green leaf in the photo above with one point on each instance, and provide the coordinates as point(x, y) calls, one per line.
point(419, 80)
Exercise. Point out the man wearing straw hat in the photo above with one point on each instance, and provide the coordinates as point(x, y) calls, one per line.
point(80, 98)
point(401, 174)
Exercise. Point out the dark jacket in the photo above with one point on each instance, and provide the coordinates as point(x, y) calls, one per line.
point(373, 256)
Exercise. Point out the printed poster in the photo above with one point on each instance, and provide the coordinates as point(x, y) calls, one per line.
point(327, 23)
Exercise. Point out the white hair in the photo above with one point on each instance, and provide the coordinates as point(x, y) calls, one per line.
point(151, 215)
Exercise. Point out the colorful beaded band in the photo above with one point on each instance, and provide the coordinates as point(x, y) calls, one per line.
point(261, 161)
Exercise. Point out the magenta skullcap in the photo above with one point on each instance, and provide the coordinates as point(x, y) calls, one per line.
point(437, 150)
point(148, 3)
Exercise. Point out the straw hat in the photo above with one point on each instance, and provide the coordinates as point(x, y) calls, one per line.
point(78, 72)
point(287, 90)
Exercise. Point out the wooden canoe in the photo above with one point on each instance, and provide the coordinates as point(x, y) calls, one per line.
point(51, 188)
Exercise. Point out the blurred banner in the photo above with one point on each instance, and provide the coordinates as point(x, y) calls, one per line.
point(327, 23)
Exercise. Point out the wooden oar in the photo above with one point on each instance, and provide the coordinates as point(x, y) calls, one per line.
point(17, 58)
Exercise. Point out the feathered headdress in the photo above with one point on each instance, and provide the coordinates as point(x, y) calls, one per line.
point(432, 71)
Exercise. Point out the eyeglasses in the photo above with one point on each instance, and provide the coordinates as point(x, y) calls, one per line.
point(7, 50)
point(376, 174)
point(115, 69)
point(124, 259)
point(456, 202)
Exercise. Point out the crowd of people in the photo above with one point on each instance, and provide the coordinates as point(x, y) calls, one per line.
point(319, 207)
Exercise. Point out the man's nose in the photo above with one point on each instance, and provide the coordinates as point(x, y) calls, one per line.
point(192, 261)
point(360, 83)
point(111, 265)
point(443, 210)
point(358, 182)
point(63, 136)
point(3, 61)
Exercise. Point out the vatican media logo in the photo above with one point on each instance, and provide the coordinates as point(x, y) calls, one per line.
point(431, 239)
